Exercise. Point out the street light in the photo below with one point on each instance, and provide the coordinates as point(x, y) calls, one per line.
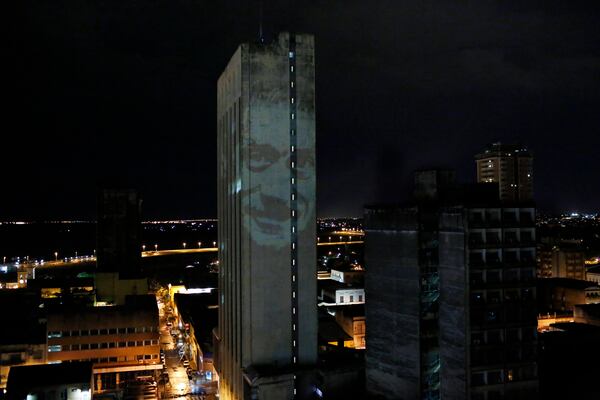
point(56, 256)
point(143, 247)
point(214, 244)
point(155, 247)
point(184, 244)
point(199, 244)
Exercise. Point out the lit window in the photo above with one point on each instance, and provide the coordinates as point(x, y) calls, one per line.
point(293, 116)
point(293, 196)
point(54, 348)
point(293, 229)
point(293, 164)
point(294, 343)
point(294, 261)
point(294, 294)
point(293, 278)
point(294, 310)
point(292, 68)
point(292, 83)
point(291, 55)
point(293, 148)
point(293, 181)
point(292, 100)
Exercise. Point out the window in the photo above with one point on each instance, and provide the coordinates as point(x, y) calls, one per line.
point(54, 348)
point(122, 330)
point(351, 299)
point(360, 298)
point(74, 347)
point(341, 299)
point(104, 345)
point(478, 379)
point(291, 55)
point(93, 346)
point(85, 332)
point(74, 333)
point(494, 377)
point(54, 334)
point(122, 344)
point(111, 345)
point(112, 331)
point(131, 344)
point(494, 337)
point(477, 338)
point(85, 346)
point(104, 331)
point(147, 342)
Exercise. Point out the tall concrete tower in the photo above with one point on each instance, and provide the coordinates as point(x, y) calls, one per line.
point(267, 333)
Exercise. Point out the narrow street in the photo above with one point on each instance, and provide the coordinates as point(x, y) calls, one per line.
point(177, 385)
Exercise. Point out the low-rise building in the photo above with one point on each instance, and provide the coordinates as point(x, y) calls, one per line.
point(562, 294)
point(352, 320)
point(22, 332)
point(72, 381)
point(120, 341)
point(337, 293)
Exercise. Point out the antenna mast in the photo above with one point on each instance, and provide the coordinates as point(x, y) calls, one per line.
point(261, 38)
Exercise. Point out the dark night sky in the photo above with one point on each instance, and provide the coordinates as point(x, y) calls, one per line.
point(127, 88)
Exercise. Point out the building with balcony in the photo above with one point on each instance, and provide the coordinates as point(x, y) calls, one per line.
point(451, 286)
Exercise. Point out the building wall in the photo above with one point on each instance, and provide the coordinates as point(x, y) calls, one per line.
point(453, 313)
point(267, 229)
point(392, 312)
point(502, 311)
point(107, 336)
point(18, 355)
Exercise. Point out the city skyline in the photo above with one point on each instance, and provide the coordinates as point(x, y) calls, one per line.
point(127, 94)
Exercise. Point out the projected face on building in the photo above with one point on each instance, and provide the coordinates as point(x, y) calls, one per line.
point(270, 194)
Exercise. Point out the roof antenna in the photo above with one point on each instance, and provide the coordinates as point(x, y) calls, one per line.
point(261, 38)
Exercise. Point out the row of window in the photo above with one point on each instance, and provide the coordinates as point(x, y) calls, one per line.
point(351, 299)
point(138, 357)
point(497, 296)
point(497, 336)
point(104, 345)
point(507, 276)
point(501, 376)
point(105, 331)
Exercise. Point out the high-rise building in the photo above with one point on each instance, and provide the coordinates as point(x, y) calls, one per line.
point(119, 231)
point(451, 297)
point(119, 254)
point(267, 333)
point(511, 166)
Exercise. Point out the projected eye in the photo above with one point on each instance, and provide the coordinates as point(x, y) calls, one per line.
point(262, 156)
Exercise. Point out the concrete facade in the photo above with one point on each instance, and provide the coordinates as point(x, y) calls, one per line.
point(267, 220)
point(117, 339)
point(451, 288)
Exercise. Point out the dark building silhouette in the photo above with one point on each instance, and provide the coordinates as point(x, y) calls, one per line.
point(451, 294)
point(118, 232)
